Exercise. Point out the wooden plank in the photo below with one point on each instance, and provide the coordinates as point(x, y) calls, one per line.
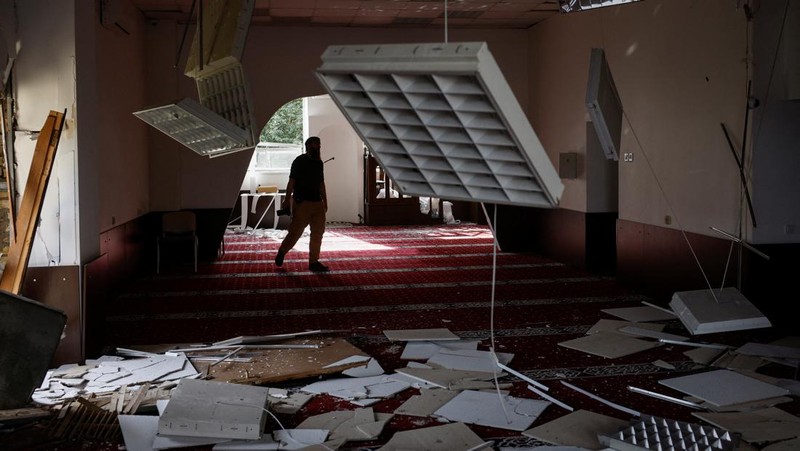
point(278, 365)
point(24, 414)
point(31, 205)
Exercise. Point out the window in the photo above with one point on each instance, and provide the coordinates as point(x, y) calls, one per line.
point(275, 156)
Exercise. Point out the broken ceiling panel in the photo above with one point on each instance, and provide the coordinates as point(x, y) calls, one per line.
point(225, 24)
point(222, 122)
point(444, 437)
point(492, 410)
point(707, 311)
point(226, 93)
point(579, 428)
point(215, 409)
point(724, 387)
point(442, 120)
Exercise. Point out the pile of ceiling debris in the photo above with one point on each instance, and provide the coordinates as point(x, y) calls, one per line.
point(218, 395)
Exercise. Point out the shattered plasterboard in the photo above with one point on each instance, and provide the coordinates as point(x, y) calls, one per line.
point(420, 350)
point(579, 428)
point(357, 389)
point(493, 410)
point(450, 379)
point(613, 325)
point(724, 387)
point(654, 334)
point(108, 374)
point(469, 360)
point(765, 425)
point(447, 437)
point(609, 344)
point(640, 314)
point(426, 402)
point(356, 425)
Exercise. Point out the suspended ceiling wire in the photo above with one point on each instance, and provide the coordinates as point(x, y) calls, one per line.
point(493, 347)
point(728, 264)
point(185, 32)
point(658, 182)
point(445, 21)
point(757, 129)
point(669, 204)
point(491, 314)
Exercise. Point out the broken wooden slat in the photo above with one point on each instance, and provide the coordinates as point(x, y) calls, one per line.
point(7, 143)
point(136, 400)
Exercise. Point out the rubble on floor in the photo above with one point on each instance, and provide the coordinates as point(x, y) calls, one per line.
point(224, 396)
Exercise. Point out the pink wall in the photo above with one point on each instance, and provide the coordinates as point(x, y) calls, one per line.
point(279, 63)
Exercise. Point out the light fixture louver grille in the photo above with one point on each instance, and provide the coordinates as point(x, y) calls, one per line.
point(196, 127)
point(442, 121)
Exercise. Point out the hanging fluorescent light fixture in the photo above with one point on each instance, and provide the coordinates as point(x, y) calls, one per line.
point(197, 128)
point(568, 6)
point(222, 122)
point(442, 121)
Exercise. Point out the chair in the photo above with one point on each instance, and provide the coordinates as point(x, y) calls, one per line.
point(177, 227)
point(274, 192)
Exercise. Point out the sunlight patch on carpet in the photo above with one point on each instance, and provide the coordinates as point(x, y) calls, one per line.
point(333, 241)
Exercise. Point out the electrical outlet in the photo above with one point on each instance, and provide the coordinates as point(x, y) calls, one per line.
point(627, 157)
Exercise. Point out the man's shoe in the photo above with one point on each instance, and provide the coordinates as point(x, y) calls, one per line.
point(279, 258)
point(318, 267)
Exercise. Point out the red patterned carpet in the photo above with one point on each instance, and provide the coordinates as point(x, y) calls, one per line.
point(410, 278)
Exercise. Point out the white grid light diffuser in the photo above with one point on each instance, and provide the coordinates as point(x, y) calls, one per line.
point(197, 127)
point(442, 121)
point(226, 93)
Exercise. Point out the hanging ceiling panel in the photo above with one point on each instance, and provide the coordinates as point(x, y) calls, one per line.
point(224, 34)
point(442, 121)
point(197, 127)
point(222, 122)
point(226, 93)
point(604, 105)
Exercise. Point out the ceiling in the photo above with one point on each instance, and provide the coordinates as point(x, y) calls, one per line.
point(510, 14)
